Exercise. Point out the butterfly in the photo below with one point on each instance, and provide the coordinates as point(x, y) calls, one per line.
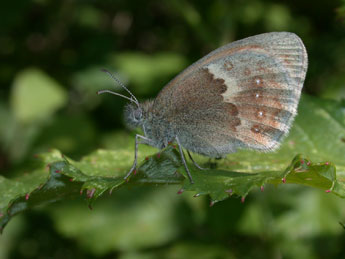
point(243, 95)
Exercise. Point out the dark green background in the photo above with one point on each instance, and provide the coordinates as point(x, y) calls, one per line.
point(64, 44)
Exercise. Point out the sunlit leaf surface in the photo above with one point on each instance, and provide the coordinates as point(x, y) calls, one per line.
point(312, 155)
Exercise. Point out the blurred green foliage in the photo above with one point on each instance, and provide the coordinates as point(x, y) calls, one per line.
point(51, 53)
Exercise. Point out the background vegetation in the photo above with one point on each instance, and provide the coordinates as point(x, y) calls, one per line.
point(51, 53)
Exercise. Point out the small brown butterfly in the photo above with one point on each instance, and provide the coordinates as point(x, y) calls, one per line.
point(242, 95)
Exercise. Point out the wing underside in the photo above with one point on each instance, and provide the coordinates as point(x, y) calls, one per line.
point(243, 95)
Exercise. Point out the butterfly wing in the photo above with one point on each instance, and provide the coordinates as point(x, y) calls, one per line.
point(242, 95)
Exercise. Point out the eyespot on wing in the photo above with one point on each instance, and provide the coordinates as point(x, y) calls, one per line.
point(248, 90)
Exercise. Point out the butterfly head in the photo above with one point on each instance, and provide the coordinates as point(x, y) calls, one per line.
point(133, 116)
point(134, 111)
point(139, 116)
point(136, 115)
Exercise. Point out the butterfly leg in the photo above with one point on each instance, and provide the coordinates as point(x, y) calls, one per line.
point(144, 140)
point(195, 163)
point(184, 160)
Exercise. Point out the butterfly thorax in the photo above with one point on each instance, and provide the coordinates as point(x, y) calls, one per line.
point(155, 128)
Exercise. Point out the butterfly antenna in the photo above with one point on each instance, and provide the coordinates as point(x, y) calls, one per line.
point(132, 99)
point(114, 93)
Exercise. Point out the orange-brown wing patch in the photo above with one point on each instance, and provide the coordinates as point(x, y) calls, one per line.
point(244, 94)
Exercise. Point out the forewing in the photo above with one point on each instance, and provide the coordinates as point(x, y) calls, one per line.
point(244, 94)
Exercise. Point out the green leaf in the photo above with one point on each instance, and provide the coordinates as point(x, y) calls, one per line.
point(312, 155)
point(35, 95)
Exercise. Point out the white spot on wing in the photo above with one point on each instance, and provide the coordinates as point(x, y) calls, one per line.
point(219, 72)
point(258, 81)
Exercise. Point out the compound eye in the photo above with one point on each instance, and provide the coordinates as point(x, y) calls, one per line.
point(137, 114)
